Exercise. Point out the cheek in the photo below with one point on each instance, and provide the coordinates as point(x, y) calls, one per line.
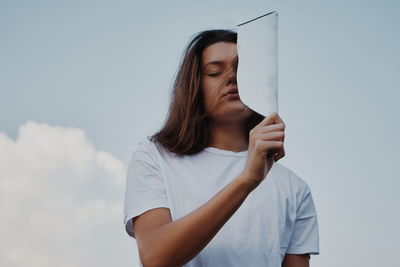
point(212, 90)
point(210, 97)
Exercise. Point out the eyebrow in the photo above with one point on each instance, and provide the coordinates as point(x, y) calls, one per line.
point(214, 63)
point(217, 62)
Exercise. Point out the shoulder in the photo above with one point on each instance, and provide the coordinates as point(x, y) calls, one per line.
point(144, 150)
point(147, 145)
point(149, 150)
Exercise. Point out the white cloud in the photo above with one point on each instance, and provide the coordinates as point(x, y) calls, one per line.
point(60, 201)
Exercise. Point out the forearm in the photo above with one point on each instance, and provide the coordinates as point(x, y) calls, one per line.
point(177, 242)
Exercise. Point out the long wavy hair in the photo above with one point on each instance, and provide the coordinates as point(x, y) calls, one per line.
point(186, 128)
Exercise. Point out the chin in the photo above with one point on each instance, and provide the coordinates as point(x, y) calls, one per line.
point(243, 108)
point(238, 111)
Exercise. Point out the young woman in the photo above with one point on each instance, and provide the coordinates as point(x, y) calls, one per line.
point(206, 190)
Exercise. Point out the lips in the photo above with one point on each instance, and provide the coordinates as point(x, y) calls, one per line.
point(232, 91)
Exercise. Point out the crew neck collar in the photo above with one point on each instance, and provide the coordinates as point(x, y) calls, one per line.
point(226, 152)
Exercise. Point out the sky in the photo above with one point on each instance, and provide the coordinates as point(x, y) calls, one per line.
point(82, 82)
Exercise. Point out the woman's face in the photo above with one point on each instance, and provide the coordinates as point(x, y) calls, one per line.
point(219, 65)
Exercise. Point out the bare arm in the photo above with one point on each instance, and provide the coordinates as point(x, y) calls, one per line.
point(294, 260)
point(163, 242)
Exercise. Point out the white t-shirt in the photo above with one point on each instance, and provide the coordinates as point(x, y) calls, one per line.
point(276, 218)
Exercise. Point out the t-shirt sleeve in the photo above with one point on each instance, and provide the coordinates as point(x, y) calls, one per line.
point(305, 236)
point(145, 188)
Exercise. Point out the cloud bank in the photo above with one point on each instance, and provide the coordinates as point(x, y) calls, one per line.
point(60, 199)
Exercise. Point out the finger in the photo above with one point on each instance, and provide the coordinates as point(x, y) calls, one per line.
point(272, 127)
point(271, 136)
point(271, 119)
point(266, 146)
point(278, 119)
point(280, 154)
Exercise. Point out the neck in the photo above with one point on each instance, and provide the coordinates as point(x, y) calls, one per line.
point(229, 136)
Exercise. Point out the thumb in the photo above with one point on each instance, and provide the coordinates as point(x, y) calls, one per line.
point(272, 153)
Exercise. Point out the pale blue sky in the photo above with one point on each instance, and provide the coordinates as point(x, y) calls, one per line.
point(107, 68)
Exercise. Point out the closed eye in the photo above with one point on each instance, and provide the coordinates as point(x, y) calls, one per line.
point(214, 74)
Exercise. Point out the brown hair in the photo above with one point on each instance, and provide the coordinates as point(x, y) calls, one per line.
point(185, 131)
